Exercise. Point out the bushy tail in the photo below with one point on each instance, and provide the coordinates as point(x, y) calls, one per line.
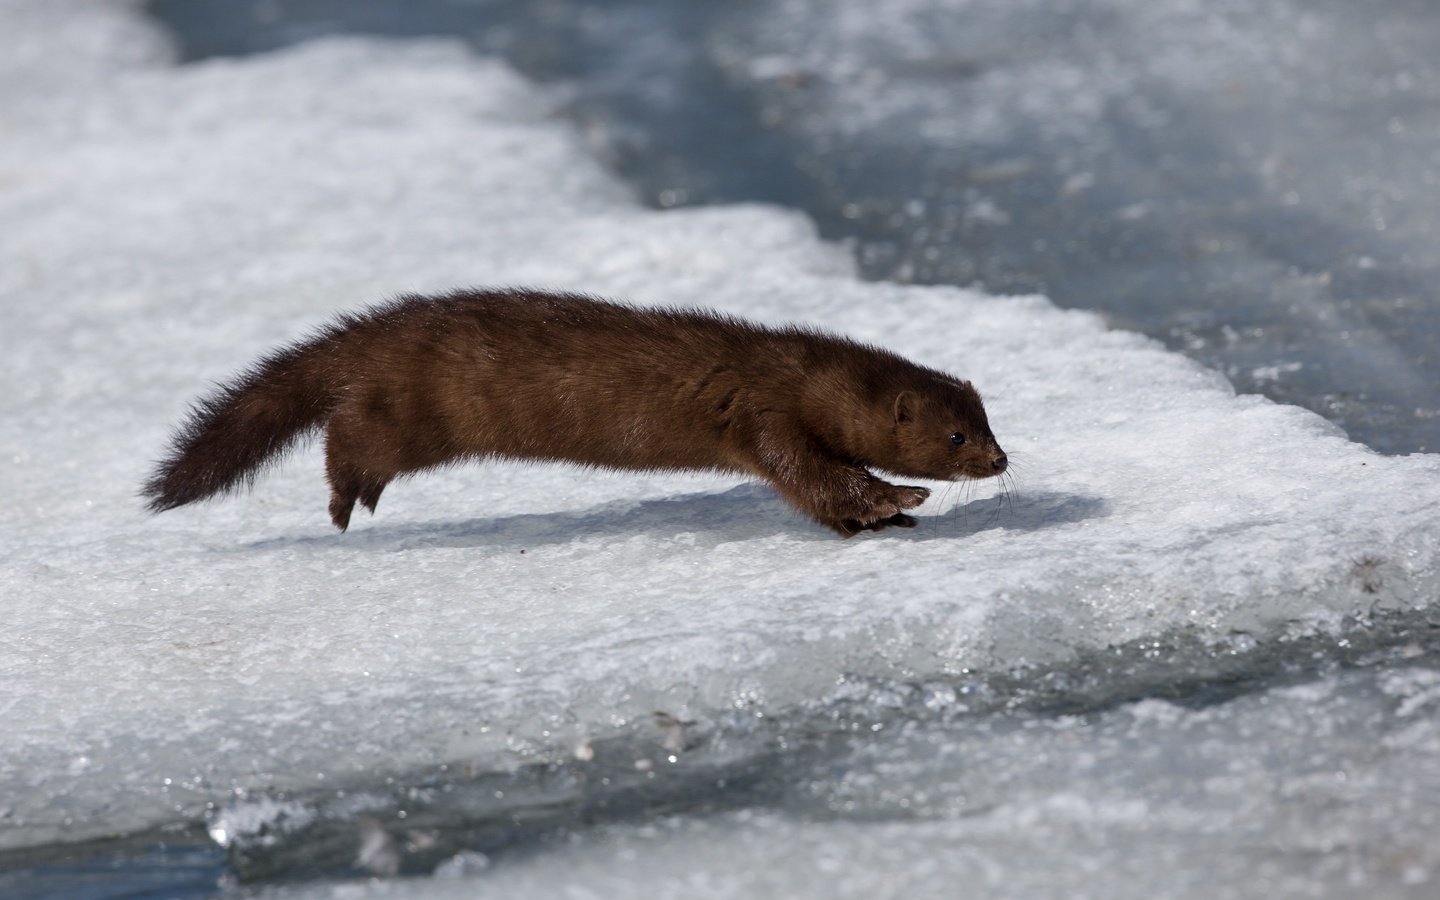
point(231, 434)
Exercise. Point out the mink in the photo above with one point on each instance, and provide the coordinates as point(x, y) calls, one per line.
point(419, 382)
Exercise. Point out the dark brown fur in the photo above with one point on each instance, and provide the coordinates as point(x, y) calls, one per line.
point(421, 382)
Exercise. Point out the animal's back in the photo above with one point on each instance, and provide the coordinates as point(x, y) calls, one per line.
point(589, 381)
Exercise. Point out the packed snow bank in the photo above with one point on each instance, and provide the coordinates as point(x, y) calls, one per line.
point(165, 226)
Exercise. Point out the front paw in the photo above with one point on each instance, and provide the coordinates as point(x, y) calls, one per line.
point(870, 506)
point(908, 497)
point(888, 499)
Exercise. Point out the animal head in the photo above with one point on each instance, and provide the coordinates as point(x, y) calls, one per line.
point(941, 432)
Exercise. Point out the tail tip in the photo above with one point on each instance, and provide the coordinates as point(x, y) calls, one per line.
point(160, 494)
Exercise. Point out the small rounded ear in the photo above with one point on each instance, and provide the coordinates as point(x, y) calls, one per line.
point(905, 407)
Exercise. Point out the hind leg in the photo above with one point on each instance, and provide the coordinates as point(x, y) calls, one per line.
point(344, 490)
point(370, 495)
point(347, 486)
point(352, 471)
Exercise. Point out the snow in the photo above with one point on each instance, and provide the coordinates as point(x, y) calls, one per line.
point(166, 225)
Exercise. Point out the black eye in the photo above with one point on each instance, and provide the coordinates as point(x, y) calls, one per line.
point(957, 438)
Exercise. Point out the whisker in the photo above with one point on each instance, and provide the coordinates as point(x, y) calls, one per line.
point(998, 507)
point(956, 513)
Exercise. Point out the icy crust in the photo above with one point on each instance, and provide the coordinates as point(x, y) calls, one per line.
point(165, 226)
point(1258, 798)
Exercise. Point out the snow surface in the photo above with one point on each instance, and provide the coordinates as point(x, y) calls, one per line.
point(164, 226)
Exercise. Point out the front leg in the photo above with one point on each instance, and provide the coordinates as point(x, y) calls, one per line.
point(840, 495)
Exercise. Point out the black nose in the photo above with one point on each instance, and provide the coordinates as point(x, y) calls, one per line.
point(1000, 463)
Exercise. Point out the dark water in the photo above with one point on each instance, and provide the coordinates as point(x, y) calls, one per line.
point(176, 863)
point(1256, 185)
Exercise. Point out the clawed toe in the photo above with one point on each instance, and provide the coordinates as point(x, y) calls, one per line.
point(899, 520)
point(852, 527)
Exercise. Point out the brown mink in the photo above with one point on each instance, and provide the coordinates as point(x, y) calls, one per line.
point(421, 382)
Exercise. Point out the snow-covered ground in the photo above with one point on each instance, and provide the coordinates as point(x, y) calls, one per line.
point(163, 226)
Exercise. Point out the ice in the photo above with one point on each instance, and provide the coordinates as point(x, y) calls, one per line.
point(1260, 798)
point(166, 225)
point(256, 818)
point(1250, 183)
